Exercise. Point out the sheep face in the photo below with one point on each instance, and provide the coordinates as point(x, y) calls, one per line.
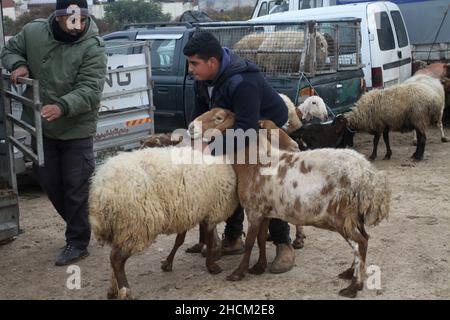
point(313, 106)
point(216, 118)
point(341, 123)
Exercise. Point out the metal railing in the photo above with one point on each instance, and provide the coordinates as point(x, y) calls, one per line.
point(11, 120)
point(292, 48)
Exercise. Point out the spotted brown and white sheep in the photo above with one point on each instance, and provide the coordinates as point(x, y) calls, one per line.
point(137, 196)
point(412, 105)
point(333, 189)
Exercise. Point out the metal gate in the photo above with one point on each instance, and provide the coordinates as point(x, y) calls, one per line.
point(10, 144)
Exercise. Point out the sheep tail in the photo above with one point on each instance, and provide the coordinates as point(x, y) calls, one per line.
point(373, 204)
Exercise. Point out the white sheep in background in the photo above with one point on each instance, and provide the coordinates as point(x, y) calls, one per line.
point(312, 107)
point(333, 189)
point(412, 105)
point(247, 47)
point(269, 57)
point(269, 54)
point(137, 196)
point(439, 89)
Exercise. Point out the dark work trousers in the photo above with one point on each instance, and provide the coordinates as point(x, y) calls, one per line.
point(279, 229)
point(65, 178)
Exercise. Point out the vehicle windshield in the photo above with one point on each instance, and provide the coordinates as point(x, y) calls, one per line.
point(280, 7)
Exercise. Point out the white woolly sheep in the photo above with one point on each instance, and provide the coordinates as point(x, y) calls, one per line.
point(137, 196)
point(294, 122)
point(248, 46)
point(312, 107)
point(438, 87)
point(412, 105)
point(333, 189)
point(270, 60)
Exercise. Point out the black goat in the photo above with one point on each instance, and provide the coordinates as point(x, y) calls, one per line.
point(324, 135)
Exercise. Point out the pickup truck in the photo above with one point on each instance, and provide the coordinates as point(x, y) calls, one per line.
point(339, 80)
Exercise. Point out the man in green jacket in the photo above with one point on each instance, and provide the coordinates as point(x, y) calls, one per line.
point(67, 56)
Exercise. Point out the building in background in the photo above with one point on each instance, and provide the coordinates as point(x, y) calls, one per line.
point(224, 5)
point(9, 9)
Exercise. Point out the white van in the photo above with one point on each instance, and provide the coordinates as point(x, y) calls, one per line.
point(385, 49)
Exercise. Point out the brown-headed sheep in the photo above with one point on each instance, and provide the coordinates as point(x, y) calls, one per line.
point(333, 189)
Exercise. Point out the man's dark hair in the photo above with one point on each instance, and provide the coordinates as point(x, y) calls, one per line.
point(204, 45)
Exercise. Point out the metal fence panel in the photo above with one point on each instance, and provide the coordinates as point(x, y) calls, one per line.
point(290, 48)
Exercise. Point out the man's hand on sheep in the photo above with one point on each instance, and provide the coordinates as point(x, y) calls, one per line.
point(51, 112)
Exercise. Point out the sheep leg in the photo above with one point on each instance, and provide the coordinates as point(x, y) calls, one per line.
point(386, 142)
point(441, 127)
point(197, 248)
point(252, 232)
point(359, 244)
point(376, 139)
point(167, 264)
point(118, 259)
point(211, 254)
point(113, 289)
point(420, 148)
point(261, 265)
point(348, 274)
point(299, 241)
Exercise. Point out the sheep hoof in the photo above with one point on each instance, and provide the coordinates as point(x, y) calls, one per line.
point(111, 294)
point(348, 292)
point(351, 290)
point(387, 157)
point(125, 294)
point(415, 157)
point(414, 143)
point(258, 269)
point(166, 266)
point(444, 139)
point(298, 243)
point(347, 274)
point(196, 248)
point(214, 268)
point(372, 157)
point(236, 276)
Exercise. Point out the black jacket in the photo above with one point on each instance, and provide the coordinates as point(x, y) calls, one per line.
point(241, 88)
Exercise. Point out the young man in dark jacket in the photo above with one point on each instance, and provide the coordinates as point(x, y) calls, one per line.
point(223, 79)
point(67, 56)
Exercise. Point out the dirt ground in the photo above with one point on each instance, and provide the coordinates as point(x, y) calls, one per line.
point(411, 249)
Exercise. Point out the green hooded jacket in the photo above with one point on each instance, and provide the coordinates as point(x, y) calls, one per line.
point(71, 75)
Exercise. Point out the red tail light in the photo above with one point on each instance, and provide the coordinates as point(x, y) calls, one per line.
point(377, 78)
